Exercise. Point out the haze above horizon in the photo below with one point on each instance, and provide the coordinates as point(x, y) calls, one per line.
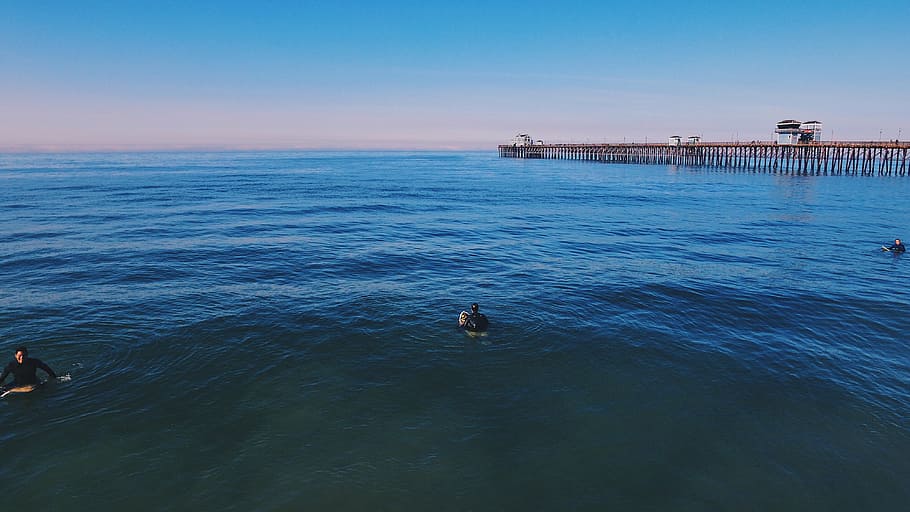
point(92, 75)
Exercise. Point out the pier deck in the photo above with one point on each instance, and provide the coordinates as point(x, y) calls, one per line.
point(818, 158)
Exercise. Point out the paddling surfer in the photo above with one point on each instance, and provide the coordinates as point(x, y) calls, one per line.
point(24, 370)
point(475, 321)
point(898, 246)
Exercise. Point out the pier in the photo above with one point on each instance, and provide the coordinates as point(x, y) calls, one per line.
point(815, 158)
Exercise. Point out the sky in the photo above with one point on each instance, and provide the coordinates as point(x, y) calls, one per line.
point(180, 75)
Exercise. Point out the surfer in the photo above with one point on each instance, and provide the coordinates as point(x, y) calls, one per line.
point(898, 246)
point(24, 370)
point(475, 321)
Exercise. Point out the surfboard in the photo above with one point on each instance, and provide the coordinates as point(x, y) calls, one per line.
point(20, 389)
point(462, 318)
point(885, 249)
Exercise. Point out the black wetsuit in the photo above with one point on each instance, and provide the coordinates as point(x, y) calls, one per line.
point(25, 374)
point(897, 248)
point(476, 322)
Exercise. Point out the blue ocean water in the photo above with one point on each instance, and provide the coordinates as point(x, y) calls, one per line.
point(277, 331)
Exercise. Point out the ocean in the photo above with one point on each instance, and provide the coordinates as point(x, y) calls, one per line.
point(277, 331)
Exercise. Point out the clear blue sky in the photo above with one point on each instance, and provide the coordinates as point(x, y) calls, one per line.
point(427, 74)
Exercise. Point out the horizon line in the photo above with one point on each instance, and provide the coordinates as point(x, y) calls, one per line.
point(216, 148)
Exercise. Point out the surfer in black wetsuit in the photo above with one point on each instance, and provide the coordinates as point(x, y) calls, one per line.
point(476, 321)
point(24, 369)
point(898, 246)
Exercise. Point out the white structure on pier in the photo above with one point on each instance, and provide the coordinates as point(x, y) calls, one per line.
point(791, 131)
point(523, 139)
point(788, 132)
point(675, 140)
point(811, 131)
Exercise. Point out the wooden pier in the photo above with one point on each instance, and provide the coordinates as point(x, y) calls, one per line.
point(817, 158)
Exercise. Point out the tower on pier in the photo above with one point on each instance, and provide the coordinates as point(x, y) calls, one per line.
point(788, 131)
point(522, 139)
point(811, 131)
point(791, 131)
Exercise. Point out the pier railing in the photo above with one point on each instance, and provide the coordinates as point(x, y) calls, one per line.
point(860, 158)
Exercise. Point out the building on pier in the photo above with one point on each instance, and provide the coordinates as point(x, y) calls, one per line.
point(791, 131)
point(522, 139)
point(675, 140)
point(811, 131)
point(788, 131)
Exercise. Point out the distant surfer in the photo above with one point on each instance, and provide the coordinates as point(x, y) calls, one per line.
point(24, 370)
point(475, 321)
point(898, 246)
